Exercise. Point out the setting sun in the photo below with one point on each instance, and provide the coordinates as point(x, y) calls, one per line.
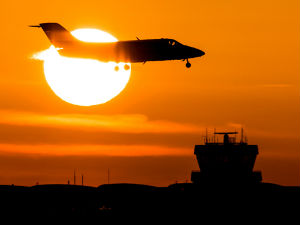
point(84, 82)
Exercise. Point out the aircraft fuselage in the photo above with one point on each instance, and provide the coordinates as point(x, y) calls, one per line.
point(131, 51)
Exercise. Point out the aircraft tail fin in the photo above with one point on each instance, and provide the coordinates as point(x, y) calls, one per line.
point(57, 34)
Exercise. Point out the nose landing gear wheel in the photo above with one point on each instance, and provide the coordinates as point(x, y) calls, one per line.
point(126, 67)
point(188, 65)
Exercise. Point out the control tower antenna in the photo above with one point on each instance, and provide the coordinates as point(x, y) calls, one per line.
point(235, 135)
point(74, 177)
point(242, 135)
point(214, 135)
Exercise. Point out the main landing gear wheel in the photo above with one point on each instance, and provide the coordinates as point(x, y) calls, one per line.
point(117, 68)
point(188, 65)
point(126, 67)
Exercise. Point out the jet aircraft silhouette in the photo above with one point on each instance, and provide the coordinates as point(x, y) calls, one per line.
point(132, 51)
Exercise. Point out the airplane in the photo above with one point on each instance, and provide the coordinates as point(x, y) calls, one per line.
point(132, 51)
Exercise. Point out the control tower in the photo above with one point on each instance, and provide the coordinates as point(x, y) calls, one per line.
point(226, 162)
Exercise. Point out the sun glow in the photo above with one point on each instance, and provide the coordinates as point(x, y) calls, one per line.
point(84, 82)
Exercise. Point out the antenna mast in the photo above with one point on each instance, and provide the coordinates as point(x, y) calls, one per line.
point(108, 176)
point(242, 135)
point(214, 135)
point(74, 177)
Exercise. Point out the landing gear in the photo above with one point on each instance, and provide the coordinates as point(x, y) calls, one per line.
point(188, 65)
point(126, 67)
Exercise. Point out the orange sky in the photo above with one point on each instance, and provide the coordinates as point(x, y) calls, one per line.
point(249, 76)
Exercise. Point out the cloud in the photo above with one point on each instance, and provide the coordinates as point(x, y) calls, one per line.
point(127, 123)
point(108, 135)
point(275, 85)
point(264, 133)
point(94, 150)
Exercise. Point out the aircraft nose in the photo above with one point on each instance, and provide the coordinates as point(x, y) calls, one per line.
point(197, 52)
point(194, 52)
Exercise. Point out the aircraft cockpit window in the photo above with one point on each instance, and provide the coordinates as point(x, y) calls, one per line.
point(172, 43)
